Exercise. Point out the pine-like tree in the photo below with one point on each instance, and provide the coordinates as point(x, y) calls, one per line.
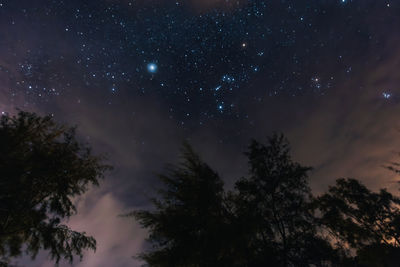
point(274, 205)
point(187, 226)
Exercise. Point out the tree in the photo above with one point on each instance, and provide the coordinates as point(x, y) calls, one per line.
point(187, 224)
point(42, 167)
point(271, 217)
point(365, 221)
point(274, 206)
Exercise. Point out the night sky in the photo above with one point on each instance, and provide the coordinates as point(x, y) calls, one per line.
point(139, 77)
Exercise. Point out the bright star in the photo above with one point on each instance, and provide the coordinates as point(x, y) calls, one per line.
point(152, 67)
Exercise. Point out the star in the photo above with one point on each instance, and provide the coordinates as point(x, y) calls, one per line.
point(152, 67)
point(386, 95)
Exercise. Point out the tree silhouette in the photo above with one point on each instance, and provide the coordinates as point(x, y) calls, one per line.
point(366, 221)
point(270, 218)
point(275, 203)
point(42, 166)
point(187, 226)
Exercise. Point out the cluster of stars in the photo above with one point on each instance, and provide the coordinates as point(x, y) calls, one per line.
point(386, 95)
point(199, 63)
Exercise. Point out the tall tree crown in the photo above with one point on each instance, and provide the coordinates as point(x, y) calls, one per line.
point(42, 167)
point(186, 225)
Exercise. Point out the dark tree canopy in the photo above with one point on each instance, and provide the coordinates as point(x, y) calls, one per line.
point(366, 221)
point(187, 225)
point(42, 167)
point(275, 201)
point(270, 218)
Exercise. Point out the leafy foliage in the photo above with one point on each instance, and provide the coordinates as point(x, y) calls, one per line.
point(366, 221)
point(187, 225)
point(276, 198)
point(270, 218)
point(42, 167)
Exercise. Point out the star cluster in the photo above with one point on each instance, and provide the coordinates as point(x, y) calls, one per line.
point(203, 64)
